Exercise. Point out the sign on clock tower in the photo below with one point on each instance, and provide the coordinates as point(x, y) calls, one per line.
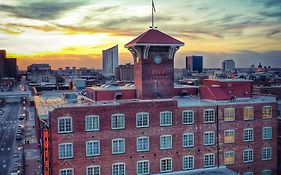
point(153, 53)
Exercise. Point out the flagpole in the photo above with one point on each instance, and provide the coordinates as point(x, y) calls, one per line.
point(152, 14)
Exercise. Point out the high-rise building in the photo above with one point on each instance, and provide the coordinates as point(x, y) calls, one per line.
point(228, 65)
point(8, 66)
point(110, 60)
point(194, 63)
point(2, 63)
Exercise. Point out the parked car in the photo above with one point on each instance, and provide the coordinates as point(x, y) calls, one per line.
point(21, 117)
point(18, 136)
point(19, 131)
point(20, 126)
point(1, 111)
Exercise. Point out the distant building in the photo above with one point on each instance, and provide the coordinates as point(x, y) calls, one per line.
point(194, 63)
point(8, 66)
point(2, 63)
point(124, 72)
point(110, 60)
point(228, 65)
point(39, 73)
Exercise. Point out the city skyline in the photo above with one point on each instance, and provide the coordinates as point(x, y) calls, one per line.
point(74, 33)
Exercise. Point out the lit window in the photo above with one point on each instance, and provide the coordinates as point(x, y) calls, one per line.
point(229, 114)
point(187, 117)
point(142, 120)
point(92, 123)
point(93, 170)
point(68, 171)
point(143, 144)
point(64, 124)
point(248, 173)
point(267, 133)
point(209, 160)
point(166, 142)
point(93, 148)
point(118, 146)
point(209, 115)
point(118, 121)
point(248, 113)
point(267, 112)
point(65, 150)
point(209, 138)
point(166, 118)
point(143, 167)
point(188, 140)
point(166, 165)
point(229, 136)
point(267, 153)
point(248, 134)
point(266, 172)
point(229, 157)
point(119, 169)
point(248, 155)
point(188, 162)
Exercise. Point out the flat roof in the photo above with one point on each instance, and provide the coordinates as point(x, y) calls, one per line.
point(230, 80)
point(111, 88)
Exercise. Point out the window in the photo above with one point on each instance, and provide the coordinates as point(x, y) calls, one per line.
point(188, 140)
point(248, 155)
point(143, 144)
point(229, 157)
point(229, 114)
point(248, 173)
point(187, 117)
point(209, 115)
point(92, 123)
point(267, 112)
point(166, 165)
point(267, 133)
point(93, 148)
point(143, 167)
point(118, 121)
point(266, 172)
point(64, 125)
point(119, 169)
point(248, 113)
point(267, 153)
point(209, 160)
point(209, 138)
point(248, 134)
point(166, 118)
point(68, 171)
point(166, 142)
point(142, 120)
point(93, 170)
point(229, 136)
point(188, 162)
point(118, 146)
point(65, 150)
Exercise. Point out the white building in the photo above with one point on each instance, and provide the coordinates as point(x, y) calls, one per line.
point(110, 60)
point(228, 65)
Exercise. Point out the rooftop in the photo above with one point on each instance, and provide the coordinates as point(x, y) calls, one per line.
point(229, 80)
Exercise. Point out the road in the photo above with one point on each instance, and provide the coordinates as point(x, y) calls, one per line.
point(8, 127)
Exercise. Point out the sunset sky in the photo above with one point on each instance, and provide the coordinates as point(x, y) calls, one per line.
point(74, 32)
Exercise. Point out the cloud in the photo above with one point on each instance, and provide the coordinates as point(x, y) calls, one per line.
point(271, 14)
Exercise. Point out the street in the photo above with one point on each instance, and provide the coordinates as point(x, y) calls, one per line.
point(8, 127)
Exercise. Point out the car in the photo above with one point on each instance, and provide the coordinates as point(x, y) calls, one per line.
point(20, 126)
point(19, 131)
point(21, 117)
point(18, 136)
point(1, 111)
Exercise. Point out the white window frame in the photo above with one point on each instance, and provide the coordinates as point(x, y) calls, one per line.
point(164, 136)
point(265, 153)
point(66, 157)
point(186, 117)
point(229, 113)
point(208, 139)
point(92, 142)
point(253, 113)
point(142, 116)
point(248, 173)
point(118, 164)
point(229, 131)
point(93, 167)
point(92, 126)
point(244, 155)
point(118, 118)
point(67, 169)
point(208, 117)
point(163, 159)
point(229, 152)
point(118, 152)
point(185, 166)
point(209, 164)
point(247, 137)
point(163, 119)
point(266, 112)
point(148, 168)
point(186, 141)
point(141, 139)
point(266, 172)
point(71, 123)
point(265, 135)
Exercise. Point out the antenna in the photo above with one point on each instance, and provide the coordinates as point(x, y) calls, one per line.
point(152, 15)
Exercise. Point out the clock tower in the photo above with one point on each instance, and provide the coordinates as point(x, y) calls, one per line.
point(153, 53)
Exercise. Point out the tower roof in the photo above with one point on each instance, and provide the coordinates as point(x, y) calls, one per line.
point(154, 37)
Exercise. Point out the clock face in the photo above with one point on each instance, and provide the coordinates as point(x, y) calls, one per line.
point(158, 59)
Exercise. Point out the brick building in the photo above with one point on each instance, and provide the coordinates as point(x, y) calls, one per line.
point(124, 72)
point(155, 127)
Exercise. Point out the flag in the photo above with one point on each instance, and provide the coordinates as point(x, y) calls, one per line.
point(153, 7)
